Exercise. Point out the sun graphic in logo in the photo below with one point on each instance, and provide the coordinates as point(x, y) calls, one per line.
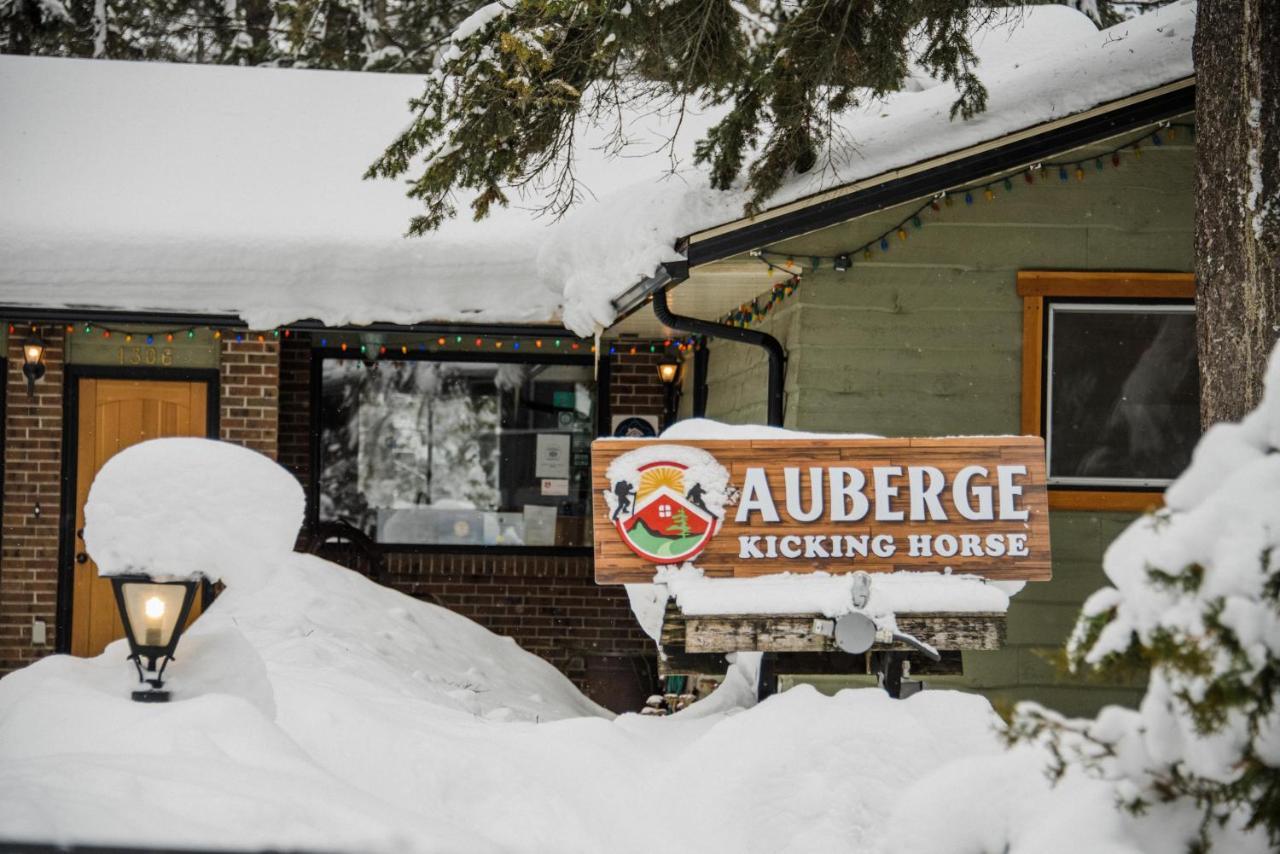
point(658, 476)
point(660, 514)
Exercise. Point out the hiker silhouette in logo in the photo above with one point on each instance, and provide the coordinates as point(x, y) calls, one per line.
point(624, 492)
point(694, 496)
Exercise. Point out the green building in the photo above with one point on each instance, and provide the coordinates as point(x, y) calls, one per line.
point(1035, 283)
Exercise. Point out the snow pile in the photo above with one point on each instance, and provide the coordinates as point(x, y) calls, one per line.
point(254, 205)
point(830, 595)
point(225, 508)
point(315, 709)
point(1195, 596)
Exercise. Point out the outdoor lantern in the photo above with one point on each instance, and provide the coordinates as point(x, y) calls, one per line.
point(32, 361)
point(667, 370)
point(154, 614)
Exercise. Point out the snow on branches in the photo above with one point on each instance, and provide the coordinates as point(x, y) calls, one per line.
point(501, 109)
point(1196, 598)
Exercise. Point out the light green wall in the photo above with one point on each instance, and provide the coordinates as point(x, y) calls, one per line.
point(926, 339)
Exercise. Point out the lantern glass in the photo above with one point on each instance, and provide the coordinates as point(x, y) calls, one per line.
point(152, 611)
point(667, 371)
point(32, 351)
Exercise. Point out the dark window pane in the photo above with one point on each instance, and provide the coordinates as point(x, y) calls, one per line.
point(458, 453)
point(1123, 404)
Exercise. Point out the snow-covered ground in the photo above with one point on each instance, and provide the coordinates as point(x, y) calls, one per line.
point(315, 709)
point(319, 710)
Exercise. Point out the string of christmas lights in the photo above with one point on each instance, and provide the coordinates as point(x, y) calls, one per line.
point(342, 341)
point(793, 266)
point(456, 342)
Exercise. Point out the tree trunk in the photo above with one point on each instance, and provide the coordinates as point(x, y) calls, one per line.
point(1237, 62)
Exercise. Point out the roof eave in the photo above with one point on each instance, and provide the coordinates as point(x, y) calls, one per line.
point(928, 177)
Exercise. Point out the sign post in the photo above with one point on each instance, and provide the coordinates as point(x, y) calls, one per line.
point(759, 507)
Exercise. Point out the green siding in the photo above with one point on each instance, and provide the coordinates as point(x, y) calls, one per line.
point(926, 339)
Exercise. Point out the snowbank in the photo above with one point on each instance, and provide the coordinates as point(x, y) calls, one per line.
point(315, 709)
point(254, 205)
point(322, 711)
point(228, 511)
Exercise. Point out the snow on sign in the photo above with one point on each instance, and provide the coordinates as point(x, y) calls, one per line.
point(763, 506)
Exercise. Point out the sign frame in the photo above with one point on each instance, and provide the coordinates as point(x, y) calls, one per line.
point(1010, 474)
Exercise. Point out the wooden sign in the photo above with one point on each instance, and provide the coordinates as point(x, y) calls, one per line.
point(749, 508)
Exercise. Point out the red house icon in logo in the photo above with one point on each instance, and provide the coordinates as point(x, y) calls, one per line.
point(666, 522)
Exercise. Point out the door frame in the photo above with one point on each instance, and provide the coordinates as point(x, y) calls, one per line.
point(70, 451)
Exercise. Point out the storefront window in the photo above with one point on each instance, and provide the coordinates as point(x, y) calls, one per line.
point(456, 452)
point(1122, 394)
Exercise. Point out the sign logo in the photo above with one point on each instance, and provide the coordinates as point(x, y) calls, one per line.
point(666, 502)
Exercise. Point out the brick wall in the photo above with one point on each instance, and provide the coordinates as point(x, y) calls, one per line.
point(249, 392)
point(295, 407)
point(550, 605)
point(32, 501)
point(634, 386)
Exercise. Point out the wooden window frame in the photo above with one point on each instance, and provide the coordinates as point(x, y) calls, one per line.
point(1037, 286)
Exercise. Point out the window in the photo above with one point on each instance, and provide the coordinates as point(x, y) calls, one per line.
point(453, 451)
point(1110, 380)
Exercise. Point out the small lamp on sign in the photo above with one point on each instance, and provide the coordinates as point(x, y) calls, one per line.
point(154, 614)
point(668, 370)
point(32, 361)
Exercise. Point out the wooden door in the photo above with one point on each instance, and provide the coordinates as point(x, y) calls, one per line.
point(114, 414)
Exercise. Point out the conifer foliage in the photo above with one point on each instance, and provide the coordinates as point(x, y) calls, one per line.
point(1196, 598)
point(501, 109)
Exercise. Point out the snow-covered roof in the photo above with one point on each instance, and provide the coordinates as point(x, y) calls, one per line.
point(209, 189)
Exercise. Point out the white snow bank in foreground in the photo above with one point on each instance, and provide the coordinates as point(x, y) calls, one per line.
point(227, 510)
point(322, 711)
point(315, 709)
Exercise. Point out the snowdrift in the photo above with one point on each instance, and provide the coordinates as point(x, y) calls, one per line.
point(322, 711)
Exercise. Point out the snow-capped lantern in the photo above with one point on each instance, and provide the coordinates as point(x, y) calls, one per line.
point(154, 614)
point(229, 515)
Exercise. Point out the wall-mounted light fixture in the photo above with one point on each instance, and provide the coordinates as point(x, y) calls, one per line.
point(32, 360)
point(669, 372)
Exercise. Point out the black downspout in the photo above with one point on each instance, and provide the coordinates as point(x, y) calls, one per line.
point(772, 348)
point(701, 359)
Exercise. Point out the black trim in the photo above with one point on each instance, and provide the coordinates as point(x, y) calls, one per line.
point(701, 364)
point(72, 374)
point(922, 184)
point(776, 392)
point(537, 356)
